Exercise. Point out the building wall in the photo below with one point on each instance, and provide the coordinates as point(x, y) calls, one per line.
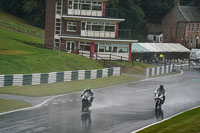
point(50, 23)
point(64, 27)
point(172, 30)
point(64, 7)
point(192, 35)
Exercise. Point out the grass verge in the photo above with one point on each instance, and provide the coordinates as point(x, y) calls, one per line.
point(9, 105)
point(21, 54)
point(68, 87)
point(187, 122)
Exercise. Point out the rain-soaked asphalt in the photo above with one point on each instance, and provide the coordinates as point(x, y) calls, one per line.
point(118, 109)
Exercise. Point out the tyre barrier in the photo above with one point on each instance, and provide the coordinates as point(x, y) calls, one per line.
point(54, 77)
point(151, 72)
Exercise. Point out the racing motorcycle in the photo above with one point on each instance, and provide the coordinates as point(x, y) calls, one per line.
point(86, 101)
point(158, 101)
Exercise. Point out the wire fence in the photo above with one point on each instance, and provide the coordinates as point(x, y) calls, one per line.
point(22, 29)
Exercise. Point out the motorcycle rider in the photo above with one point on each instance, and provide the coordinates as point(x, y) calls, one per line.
point(161, 91)
point(90, 92)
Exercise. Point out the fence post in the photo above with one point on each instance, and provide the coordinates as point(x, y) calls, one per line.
point(110, 57)
point(121, 59)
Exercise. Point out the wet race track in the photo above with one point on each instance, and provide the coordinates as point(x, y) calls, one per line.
point(119, 109)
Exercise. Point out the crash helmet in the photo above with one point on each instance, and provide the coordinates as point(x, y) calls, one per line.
point(89, 88)
point(161, 87)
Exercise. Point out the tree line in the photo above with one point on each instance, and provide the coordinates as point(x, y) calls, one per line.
point(136, 12)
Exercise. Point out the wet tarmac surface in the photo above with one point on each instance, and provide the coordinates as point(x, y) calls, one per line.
point(118, 109)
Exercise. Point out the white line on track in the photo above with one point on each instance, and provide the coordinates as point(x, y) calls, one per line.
point(39, 105)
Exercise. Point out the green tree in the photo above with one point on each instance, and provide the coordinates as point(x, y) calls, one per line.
point(155, 10)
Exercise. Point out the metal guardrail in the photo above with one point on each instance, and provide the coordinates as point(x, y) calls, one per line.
point(106, 57)
point(54, 77)
point(21, 29)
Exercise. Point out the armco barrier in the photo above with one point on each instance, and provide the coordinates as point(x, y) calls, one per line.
point(151, 72)
point(54, 77)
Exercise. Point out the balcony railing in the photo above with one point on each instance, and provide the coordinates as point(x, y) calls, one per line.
point(125, 34)
point(109, 13)
point(98, 34)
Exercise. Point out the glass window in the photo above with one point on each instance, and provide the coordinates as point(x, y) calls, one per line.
point(70, 4)
point(89, 26)
point(192, 27)
point(110, 28)
point(71, 26)
point(76, 6)
point(85, 6)
point(188, 27)
point(95, 27)
point(83, 26)
point(97, 7)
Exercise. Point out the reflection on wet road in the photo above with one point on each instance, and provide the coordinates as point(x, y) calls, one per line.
point(118, 109)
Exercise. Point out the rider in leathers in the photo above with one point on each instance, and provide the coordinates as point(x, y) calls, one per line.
point(161, 91)
point(90, 92)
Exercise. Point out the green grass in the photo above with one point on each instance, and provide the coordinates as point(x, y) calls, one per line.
point(17, 22)
point(187, 122)
point(9, 105)
point(22, 54)
point(68, 87)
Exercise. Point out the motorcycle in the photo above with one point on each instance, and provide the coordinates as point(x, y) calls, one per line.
point(86, 101)
point(158, 101)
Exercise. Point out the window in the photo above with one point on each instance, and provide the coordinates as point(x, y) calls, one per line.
point(71, 26)
point(110, 27)
point(192, 27)
point(86, 6)
point(197, 28)
point(97, 6)
point(57, 43)
point(70, 4)
point(70, 46)
point(84, 46)
point(189, 27)
point(58, 7)
point(95, 27)
point(83, 26)
point(58, 27)
point(76, 4)
point(101, 48)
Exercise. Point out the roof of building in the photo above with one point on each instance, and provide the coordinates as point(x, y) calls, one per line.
point(190, 13)
point(103, 40)
point(82, 18)
point(158, 47)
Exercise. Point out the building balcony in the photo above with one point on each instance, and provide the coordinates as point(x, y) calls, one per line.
point(122, 34)
point(108, 13)
point(98, 34)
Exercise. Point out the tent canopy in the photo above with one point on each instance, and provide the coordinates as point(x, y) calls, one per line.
point(158, 48)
